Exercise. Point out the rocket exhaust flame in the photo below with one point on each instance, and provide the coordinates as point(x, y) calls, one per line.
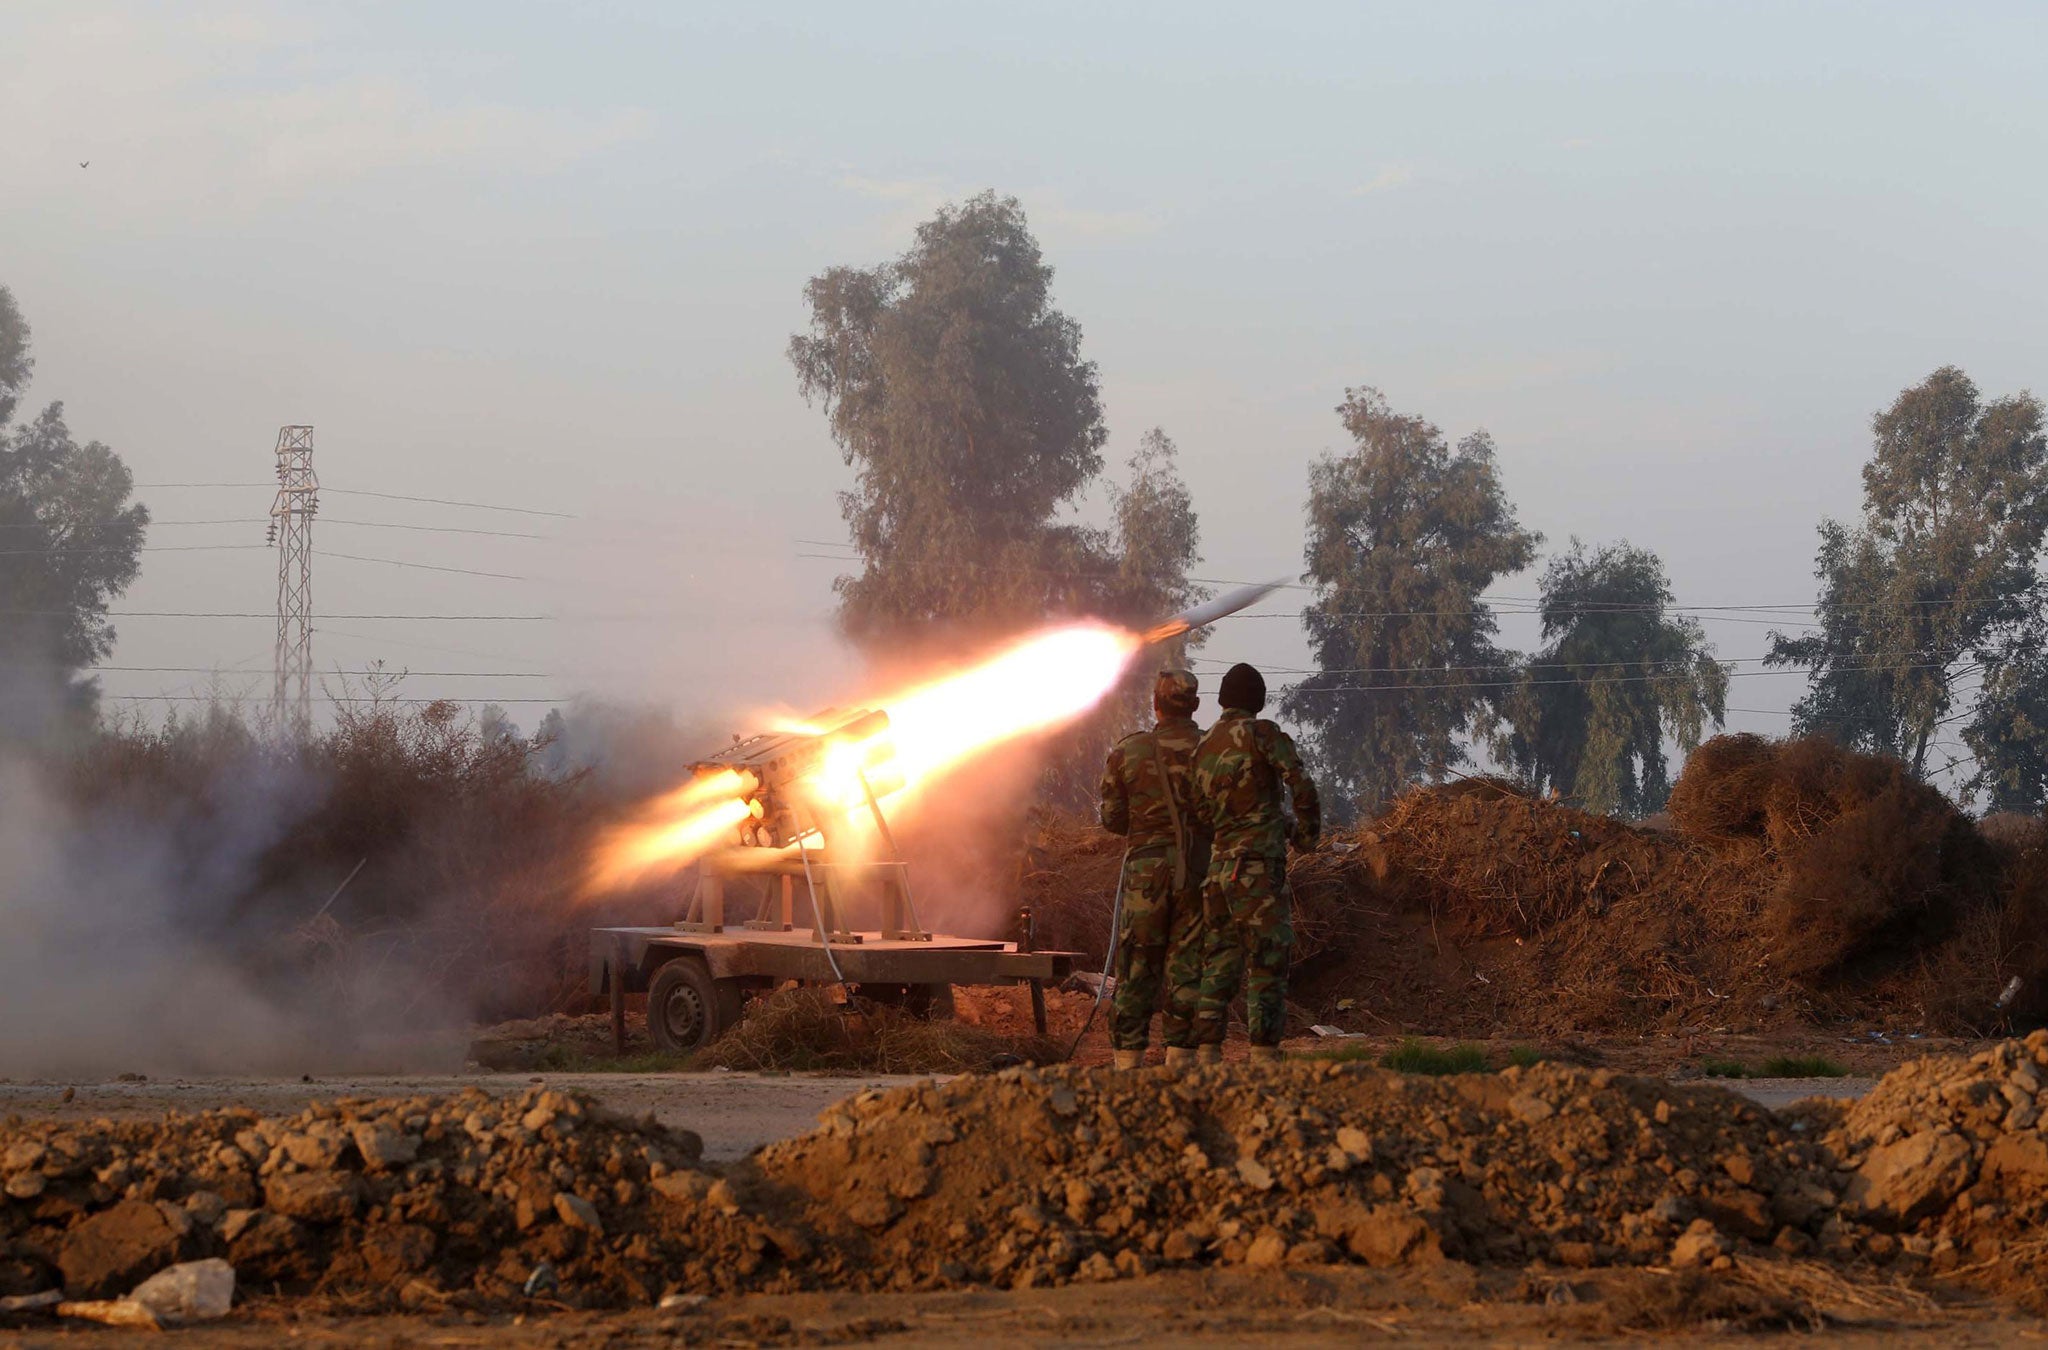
point(1039, 684)
point(663, 840)
point(841, 761)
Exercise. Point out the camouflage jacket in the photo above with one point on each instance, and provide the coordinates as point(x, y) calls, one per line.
point(1136, 779)
point(1239, 771)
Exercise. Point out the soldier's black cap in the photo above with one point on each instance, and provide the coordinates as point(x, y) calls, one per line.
point(1243, 688)
point(1176, 693)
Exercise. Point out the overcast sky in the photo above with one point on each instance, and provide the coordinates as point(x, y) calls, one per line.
point(1672, 256)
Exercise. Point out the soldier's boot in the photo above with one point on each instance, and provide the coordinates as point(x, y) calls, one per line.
point(1263, 1055)
point(1130, 1059)
point(1180, 1057)
point(1209, 1053)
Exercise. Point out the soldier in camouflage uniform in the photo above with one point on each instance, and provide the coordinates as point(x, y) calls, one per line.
point(1244, 763)
point(1148, 797)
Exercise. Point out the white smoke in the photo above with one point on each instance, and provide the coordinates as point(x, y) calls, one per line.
point(118, 952)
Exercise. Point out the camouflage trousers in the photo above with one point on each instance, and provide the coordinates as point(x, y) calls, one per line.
point(1249, 912)
point(1159, 941)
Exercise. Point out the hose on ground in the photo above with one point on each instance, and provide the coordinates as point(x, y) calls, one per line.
point(1116, 918)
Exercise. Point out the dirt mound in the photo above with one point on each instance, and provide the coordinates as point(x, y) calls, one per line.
point(1880, 882)
point(1464, 910)
point(1875, 870)
point(1036, 1177)
point(1068, 880)
point(1805, 881)
point(422, 1202)
point(2012, 943)
point(1501, 863)
point(1033, 1177)
point(1720, 796)
point(809, 1029)
point(1944, 1167)
point(2013, 831)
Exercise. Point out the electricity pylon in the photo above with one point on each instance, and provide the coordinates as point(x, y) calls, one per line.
point(291, 529)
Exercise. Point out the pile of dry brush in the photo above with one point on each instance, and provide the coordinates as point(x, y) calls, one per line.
point(1804, 881)
point(810, 1030)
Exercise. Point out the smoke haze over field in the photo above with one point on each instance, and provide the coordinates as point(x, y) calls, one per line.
point(115, 962)
point(204, 898)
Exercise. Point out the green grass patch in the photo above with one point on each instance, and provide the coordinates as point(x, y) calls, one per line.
point(1723, 1068)
point(1342, 1052)
point(566, 1059)
point(1418, 1056)
point(1802, 1066)
point(1412, 1056)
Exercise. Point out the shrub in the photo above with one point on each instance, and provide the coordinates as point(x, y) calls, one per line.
point(1801, 1066)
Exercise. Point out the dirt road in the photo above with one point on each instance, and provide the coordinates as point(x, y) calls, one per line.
point(1331, 1306)
point(734, 1113)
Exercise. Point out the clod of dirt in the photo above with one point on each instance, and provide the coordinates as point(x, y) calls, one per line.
point(1946, 1164)
point(113, 1250)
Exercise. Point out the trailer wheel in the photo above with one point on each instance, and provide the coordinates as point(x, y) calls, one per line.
point(686, 1008)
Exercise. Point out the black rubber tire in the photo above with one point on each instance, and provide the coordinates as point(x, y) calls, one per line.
point(687, 1009)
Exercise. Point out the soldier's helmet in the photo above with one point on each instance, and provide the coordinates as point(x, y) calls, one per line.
point(1243, 688)
point(1176, 693)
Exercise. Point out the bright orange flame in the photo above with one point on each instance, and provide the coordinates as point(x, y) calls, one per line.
point(671, 830)
point(1043, 682)
point(1035, 685)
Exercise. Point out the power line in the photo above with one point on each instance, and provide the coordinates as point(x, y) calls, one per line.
point(425, 567)
point(216, 670)
point(1597, 679)
point(445, 501)
point(258, 614)
point(382, 640)
point(432, 529)
point(1871, 658)
point(326, 697)
point(1534, 604)
point(238, 520)
point(334, 520)
point(1452, 613)
point(146, 548)
point(387, 496)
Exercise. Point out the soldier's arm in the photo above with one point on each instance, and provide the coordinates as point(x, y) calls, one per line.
point(1116, 801)
point(1308, 807)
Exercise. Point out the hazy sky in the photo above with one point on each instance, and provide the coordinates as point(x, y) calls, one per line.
point(1672, 256)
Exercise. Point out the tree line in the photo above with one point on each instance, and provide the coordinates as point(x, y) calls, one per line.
point(957, 393)
point(70, 544)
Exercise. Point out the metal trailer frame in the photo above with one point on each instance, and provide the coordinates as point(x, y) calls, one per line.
point(698, 971)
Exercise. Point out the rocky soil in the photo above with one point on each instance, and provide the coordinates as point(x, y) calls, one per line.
point(1037, 1177)
point(387, 1203)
